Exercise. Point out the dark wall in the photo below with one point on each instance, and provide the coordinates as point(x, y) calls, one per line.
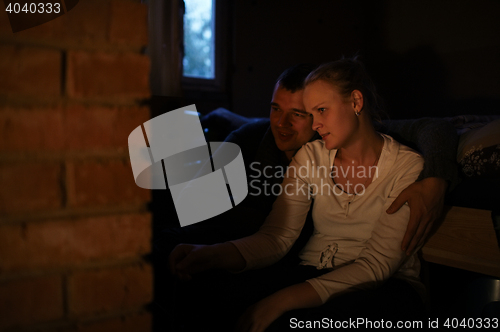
point(428, 58)
point(270, 36)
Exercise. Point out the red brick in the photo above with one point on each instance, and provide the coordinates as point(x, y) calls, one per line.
point(50, 28)
point(30, 187)
point(129, 23)
point(135, 323)
point(73, 127)
point(104, 183)
point(96, 292)
point(5, 29)
point(30, 71)
point(70, 242)
point(92, 23)
point(100, 127)
point(103, 75)
point(29, 301)
point(87, 22)
point(31, 129)
point(85, 25)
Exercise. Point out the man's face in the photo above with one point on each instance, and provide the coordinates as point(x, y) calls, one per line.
point(291, 125)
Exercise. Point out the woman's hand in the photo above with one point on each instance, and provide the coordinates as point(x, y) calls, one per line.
point(258, 317)
point(188, 259)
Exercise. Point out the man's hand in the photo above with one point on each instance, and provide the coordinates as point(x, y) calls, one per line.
point(187, 259)
point(426, 200)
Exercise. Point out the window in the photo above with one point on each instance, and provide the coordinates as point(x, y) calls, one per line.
point(199, 39)
point(204, 34)
point(166, 46)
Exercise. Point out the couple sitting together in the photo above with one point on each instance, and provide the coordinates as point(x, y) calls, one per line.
point(262, 269)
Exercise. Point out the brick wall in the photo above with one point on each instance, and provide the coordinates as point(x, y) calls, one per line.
point(74, 227)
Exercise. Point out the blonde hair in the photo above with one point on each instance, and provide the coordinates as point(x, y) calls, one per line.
point(348, 75)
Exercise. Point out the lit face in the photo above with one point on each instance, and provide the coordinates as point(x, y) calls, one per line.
point(291, 125)
point(334, 116)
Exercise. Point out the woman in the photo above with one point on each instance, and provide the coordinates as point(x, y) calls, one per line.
point(355, 246)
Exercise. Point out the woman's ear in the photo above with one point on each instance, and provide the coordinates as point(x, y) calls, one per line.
point(357, 100)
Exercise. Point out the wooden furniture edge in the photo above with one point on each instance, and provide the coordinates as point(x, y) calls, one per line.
point(465, 238)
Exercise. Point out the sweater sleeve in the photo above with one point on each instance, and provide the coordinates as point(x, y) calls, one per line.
point(435, 139)
point(381, 256)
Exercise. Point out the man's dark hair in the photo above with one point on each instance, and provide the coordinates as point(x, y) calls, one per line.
point(292, 79)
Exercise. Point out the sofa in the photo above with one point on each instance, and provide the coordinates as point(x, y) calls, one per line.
point(468, 234)
point(461, 259)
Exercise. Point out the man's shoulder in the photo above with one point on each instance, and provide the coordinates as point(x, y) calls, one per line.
point(249, 138)
point(255, 128)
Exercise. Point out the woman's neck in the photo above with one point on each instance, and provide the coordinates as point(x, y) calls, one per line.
point(365, 149)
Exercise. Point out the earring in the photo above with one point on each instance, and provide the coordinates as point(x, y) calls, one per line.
point(356, 112)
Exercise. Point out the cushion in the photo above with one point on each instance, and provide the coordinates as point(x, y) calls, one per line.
point(479, 151)
point(220, 122)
